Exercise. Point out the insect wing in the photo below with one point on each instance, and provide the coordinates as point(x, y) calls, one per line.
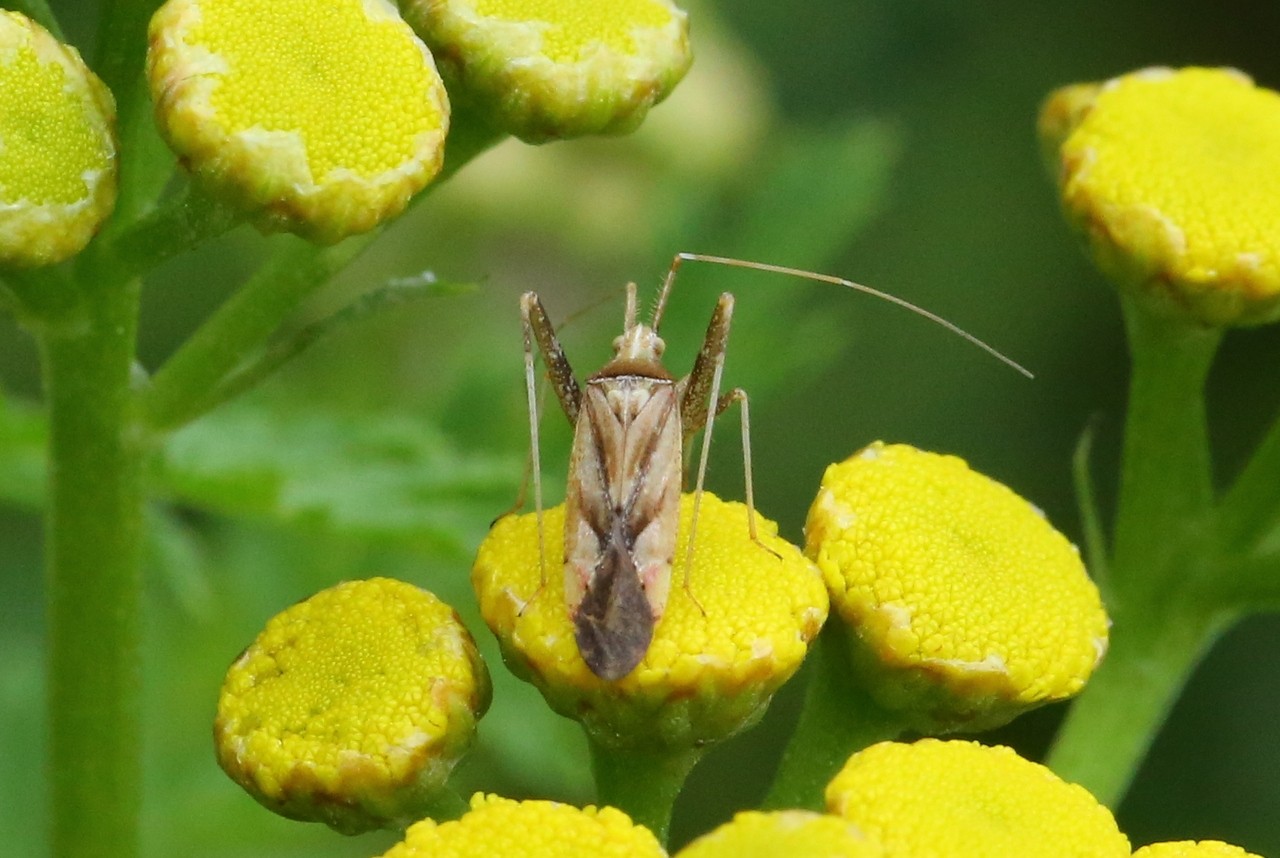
point(622, 511)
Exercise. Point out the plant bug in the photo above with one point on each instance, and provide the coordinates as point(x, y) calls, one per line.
point(626, 469)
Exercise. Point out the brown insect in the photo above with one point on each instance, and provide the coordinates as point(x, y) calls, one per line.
point(626, 471)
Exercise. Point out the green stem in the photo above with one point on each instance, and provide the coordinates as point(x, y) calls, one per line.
point(180, 389)
point(179, 225)
point(1110, 727)
point(93, 584)
point(838, 719)
point(1166, 476)
point(642, 782)
point(1251, 510)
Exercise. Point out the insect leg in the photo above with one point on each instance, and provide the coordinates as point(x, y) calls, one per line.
point(537, 329)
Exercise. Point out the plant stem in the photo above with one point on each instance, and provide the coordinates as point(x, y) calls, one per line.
point(1160, 578)
point(838, 719)
point(642, 782)
point(1112, 724)
point(93, 585)
point(1166, 478)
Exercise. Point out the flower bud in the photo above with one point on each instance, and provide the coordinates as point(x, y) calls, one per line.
point(57, 147)
point(549, 70)
point(529, 829)
point(352, 707)
point(752, 834)
point(936, 797)
point(962, 606)
point(316, 118)
point(1172, 176)
point(713, 664)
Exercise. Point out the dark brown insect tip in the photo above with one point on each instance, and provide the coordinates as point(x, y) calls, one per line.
point(614, 623)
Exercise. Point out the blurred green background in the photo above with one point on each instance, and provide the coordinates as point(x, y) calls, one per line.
point(889, 142)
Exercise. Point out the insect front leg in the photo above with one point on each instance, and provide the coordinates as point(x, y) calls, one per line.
point(700, 404)
point(538, 329)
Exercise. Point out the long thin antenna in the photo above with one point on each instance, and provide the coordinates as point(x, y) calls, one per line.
point(838, 281)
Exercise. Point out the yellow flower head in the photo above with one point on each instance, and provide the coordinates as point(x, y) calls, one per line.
point(320, 117)
point(962, 798)
point(57, 147)
point(529, 829)
point(1174, 178)
point(1192, 849)
point(710, 670)
point(352, 707)
point(753, 834)
point(549, 69)
point(962, 604)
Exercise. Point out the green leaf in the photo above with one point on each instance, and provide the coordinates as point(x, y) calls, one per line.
point(389, 476)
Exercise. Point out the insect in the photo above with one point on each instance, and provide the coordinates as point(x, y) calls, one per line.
point(626, 470)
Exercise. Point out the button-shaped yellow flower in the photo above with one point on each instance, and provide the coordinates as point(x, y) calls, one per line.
point(1174, 177)
point(960, 798)
point(529, 829)
point(753, 834)
point(962, 604)
point(352, 707)
point(550, 69)
point(713, 664)
point(320, 118)
point(1192, 849)
point(57, 147)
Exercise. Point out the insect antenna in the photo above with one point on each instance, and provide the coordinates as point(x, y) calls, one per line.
point(838, 281)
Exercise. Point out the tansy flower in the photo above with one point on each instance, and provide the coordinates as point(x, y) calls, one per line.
point(1192, 849)
point(549, 69)
point(962, 798)
point(352, 707)
point(321, 118)
point(713, 664)
point(57, 147)
point(1174, 178)
point(961, 604)
point(529, 829)
point(752, 834)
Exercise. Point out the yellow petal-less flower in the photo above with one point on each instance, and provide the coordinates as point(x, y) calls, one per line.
point(963, 606)
point(549, 69)
point(1174, 178)
point(958, 798)
point(352, 707)
point(1192, 849)
point(320, 118)
point(529, 829)
point(706, 675)
point(753, 834)
point(57, 147)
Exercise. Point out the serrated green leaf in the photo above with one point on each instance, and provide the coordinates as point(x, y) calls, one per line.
point(388, 475)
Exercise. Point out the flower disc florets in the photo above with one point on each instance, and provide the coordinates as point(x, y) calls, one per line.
point(57, 147)
point(962, 605)
point(503, 828)
point(1174, 178)
point(352, 707)
point(321, 118)
point(550, 69)
point(961, 798)
point(752, 834)
point(713, 664)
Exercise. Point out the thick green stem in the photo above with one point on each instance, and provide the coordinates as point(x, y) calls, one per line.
point(838, 719)
point(1166, 477)
point(642, 782)
point(1109, 729)
point(93, 584)
point(1160, 578)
